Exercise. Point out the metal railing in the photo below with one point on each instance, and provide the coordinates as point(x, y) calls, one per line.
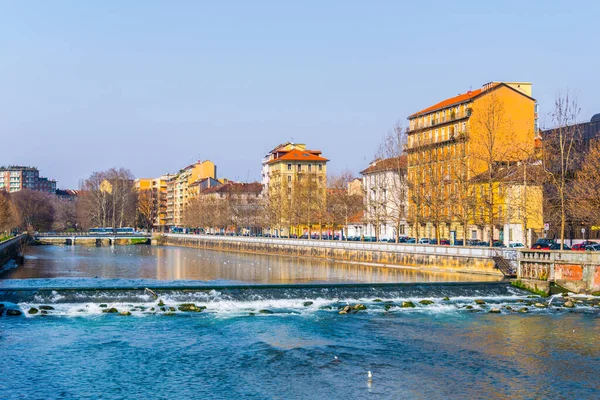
point(460, 251)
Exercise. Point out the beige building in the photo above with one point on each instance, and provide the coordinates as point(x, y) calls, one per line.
point(294, 179)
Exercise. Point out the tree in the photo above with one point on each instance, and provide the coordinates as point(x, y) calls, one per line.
point(65, 214)
point(9, 216)
point(108, 198)
point(463, 197)
point(560, 156)
point(395, 178)
point(341, 204)
point(35, 209)
point(492, 145)
point(586, 187)
point(147, 208)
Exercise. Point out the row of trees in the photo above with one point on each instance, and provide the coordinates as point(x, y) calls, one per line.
point(33, 210)
point(106, 199)
point(307, 204)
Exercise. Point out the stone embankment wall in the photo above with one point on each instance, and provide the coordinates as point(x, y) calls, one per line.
point(576, 271)
point(447, 258)
point(10, 248)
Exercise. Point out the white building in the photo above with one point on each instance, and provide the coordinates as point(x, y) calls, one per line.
point(386, 198)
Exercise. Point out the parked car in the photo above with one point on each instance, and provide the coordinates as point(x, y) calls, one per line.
point(592, 247)
point(445, 242)
point(583, 245)
point(458, 242)
point(411, 240)
point(498, 243)
point(548, 246)
point(424, 241)
point(516, 245)
point(433, 241)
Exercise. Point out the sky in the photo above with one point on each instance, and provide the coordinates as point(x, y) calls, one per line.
point(154, 86)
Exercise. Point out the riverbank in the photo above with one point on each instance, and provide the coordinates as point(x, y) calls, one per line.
point(10, 248)
point(430, 258)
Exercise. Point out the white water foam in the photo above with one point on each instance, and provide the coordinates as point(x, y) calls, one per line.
point(219, 305)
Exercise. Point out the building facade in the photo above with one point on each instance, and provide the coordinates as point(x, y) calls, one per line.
point(457, 139)
point(386, 199)
point(15, 178)
point(295, 182)
point(172, 192)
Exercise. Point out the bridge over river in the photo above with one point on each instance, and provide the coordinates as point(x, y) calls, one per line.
point(86, 238)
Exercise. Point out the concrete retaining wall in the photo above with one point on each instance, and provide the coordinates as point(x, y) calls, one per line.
point(456, 259)
point(10, 248)
point(576, 271)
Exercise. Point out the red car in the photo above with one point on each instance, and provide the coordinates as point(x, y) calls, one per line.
point(581, 246)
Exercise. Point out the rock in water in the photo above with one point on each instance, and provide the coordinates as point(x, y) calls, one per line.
point(33, 310)
point(540, 305)
point(495, 311)
point(408, 304)
point(377, 301)
point(307, 303)
point(111, 310)
point(49, 308)
point(523, 310)
point(13, 313)
point(345, 310)
point(446, 298)
point(265, 311)
point(569, 304)
point(126, 313)
point(359, 307)
point(479, 301)
point(469, 307)
point(103, 305)
point(387, 307)
point(161, 303)
point(426, 302)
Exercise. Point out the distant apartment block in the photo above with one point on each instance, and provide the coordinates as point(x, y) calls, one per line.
point(15, 178)
point(173, 191)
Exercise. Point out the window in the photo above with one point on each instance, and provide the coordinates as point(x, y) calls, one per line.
point(289, 167)
point(443, 134)
point(436, 135)
point(289, 178)
point(309, 167)
point(320, 167)
point(299, 167)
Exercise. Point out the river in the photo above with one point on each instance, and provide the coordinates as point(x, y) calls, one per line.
point(271, 328)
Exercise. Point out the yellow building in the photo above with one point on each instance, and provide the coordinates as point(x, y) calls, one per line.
point(457, 139)
point(173, 191)
point(515, 198)
point(158, 187)
point(178, 188)
point(295, 180)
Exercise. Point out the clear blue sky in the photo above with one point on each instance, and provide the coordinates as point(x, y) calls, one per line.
point(154, 85)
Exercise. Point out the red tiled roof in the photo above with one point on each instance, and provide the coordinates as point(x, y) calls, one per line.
point(299, 155)
point(389, 164)
point(357, 218)
point(461, 98)
point(254, 187)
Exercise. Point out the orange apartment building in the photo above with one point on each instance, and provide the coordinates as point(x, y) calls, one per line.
point(456, 139)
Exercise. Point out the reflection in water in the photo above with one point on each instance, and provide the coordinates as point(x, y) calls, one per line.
point(179, 263)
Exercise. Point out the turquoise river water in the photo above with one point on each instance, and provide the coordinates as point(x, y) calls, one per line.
point(207, 324)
